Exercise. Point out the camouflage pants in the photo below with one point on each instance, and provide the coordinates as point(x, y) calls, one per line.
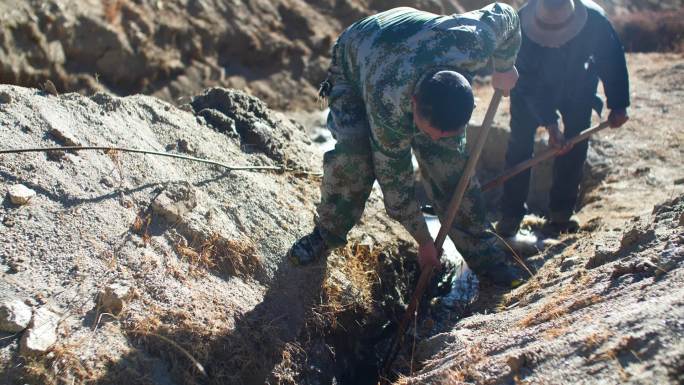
point(349, 176)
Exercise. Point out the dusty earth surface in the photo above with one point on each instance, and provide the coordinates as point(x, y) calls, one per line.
point(173, 49)
point(606, 305)
point(165, 271)
point(211, 297)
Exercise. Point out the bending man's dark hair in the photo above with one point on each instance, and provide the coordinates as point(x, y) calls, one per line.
point(445, 99)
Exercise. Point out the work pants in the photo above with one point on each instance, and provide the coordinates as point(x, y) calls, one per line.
point(567, 169)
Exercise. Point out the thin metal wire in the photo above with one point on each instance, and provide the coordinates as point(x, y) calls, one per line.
point(158, 153)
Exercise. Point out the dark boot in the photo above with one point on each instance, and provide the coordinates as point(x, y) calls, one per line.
point(561, 224)
point(496, 269)
point(507, 227)
point(309, 249)
point(501, 274)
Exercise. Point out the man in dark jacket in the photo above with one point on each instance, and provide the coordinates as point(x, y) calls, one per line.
point(566, 47)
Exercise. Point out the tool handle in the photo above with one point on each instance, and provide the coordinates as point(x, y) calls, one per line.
point(426, 274)
point(469, 171)
point(549, 153)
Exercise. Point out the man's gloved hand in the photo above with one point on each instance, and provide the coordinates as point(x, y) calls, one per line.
point(557, 139)
point(617, 117)
point(505, 81)
point(428, 256)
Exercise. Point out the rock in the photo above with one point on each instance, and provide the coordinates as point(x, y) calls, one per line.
point(50, 88)
point(20, 194)
point(64, 138)
point(107, 181)
point(14, 315)
point(184, 146)
point(113, 298)
point(636, 236)
point(41, 334)
point(175, 201)
point(5, 97)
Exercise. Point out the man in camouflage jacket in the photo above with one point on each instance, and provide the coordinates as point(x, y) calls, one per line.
point(379, 64)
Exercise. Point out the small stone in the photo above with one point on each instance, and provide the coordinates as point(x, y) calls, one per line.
point(113, 298)
point(175, 201)
point(183, 146)
point(41, 334)
point(20, 194)
point(107, 181)
point(5, 97)
point(14, 315)
point(64, 138)
point(50, 88)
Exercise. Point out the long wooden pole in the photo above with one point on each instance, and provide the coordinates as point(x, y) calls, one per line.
point(454, 205)
point(550, 153)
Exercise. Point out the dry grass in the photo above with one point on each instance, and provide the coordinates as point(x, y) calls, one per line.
point(234, 257)
point(141, 225)
point(175, 336)
point(466, 370)
point(597, 338)
point(561, 304)
point(649, 31)
point(350, 282)
point(60, 367)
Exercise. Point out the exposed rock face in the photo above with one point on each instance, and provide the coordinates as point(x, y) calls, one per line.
point(14, 315)
point(41, 334)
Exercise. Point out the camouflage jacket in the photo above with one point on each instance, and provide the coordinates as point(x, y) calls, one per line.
point(385, 55)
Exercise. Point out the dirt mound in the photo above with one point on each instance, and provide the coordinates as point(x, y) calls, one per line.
point(171, 49)
point(278, 51)
point(156, 270)
point(199, 249)
point(608, 308)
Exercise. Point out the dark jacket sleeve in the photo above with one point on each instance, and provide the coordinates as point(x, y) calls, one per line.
point(611, 66)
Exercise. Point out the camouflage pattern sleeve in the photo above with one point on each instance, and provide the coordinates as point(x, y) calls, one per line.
point(503, 20)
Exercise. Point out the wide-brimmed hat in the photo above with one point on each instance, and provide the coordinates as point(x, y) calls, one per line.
point(552, 23)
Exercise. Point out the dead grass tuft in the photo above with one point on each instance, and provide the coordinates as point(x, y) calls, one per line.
point(60, 367)
point(558, 306)
point(350, 282)
point(234, 257)
point(466, 368)
point(177, 338)
point(141, 225)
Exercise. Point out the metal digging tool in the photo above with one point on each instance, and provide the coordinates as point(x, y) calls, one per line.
point(550, 153)
point(454, 205)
